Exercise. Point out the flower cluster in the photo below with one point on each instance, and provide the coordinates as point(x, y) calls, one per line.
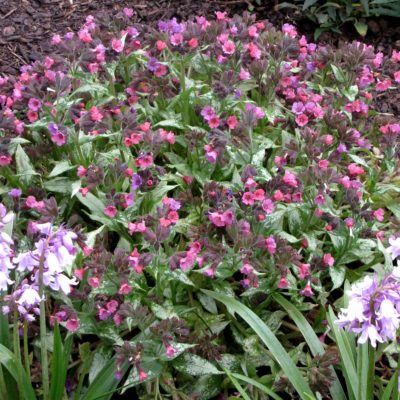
point(373, 311)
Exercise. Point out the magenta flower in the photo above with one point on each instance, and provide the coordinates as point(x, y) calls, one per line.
point(110, 211)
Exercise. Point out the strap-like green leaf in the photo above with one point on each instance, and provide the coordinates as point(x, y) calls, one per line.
point(312, 340)
point(270, 340)
point(15, 368)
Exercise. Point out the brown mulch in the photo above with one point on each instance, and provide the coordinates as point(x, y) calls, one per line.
point(26, 26)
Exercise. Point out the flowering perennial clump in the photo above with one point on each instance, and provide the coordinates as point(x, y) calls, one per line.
point(144, 166)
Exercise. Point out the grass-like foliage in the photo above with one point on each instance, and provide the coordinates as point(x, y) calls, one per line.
point(183, 207)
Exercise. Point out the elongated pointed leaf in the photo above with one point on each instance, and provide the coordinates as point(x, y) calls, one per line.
point(346, 354)
point(11, 390)
point(15, 368)
point(237, 385)
point(312, 340)
point(258, 385)
point(270, 340)
point(59, 365)
point(105, 383)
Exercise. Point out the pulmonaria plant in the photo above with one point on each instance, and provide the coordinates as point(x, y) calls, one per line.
point(373, 311)
point(215, 154)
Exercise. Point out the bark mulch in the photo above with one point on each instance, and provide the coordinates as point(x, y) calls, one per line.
point(26, 26)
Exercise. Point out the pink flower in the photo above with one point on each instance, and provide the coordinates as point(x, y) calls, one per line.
point(307, 291)
point(253, 50)
point(110, 211)
point(5, 159)
point(84, 36)
point(232, 122)
point(128, 12)
point(328, 140)
point(397, 76)
point(301, 120)
point(270, 244)
point(283, 283)
point(176, 39)
point(34, 104)
point(193, 43)
point(142, 375)
point(323, 164)
point(31, 202)
point(248, 198)
point(383, 85)
point(319, 199)
point(289, 30)
point(379, 214)
point(268, 206)
point(355, 170)
point(72, 324)
point(244, 75)
point(304, 270)
point(160, 70)
point(252, 31)
point(95, 114)
point(395, 56)
point(290, 179)
point(138, 227)
point(221, 16)
point(228, 47)
point(328, 259)
point(349, 222)
point(58, 138)
point(55, 40)
point(144, 161)
point(161, 45)
point(81, 171)
point(211, 154)
point(214, 122)
point(259, 195)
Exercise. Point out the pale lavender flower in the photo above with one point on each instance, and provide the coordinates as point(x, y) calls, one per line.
point(374, 309)
point(394, 247)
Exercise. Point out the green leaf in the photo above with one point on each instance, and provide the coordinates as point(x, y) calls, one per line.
point(237, 385)
point(105, 383)
point(93, 203)
point(312, 340)
point(59, 364)
point(258, 385)
point(308, 3)
point(13, 365)
point(346, 353)
point(58, 185)
point(338, 275)
point(361, 28)
point(60, 168)
point(338, 73)
point(25, 169)
point(194, 365)
point(270, 340)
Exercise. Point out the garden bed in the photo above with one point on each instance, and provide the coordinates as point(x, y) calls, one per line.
point(198, 209)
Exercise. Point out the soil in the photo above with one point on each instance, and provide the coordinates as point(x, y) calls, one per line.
point(26, 26)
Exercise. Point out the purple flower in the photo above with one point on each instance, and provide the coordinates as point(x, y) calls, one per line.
point(298, 107)
point(15, 193)
point(53, 128)
point(136, 181)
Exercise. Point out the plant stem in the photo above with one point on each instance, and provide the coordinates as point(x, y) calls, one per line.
point(26, 350)
point(43, 343)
